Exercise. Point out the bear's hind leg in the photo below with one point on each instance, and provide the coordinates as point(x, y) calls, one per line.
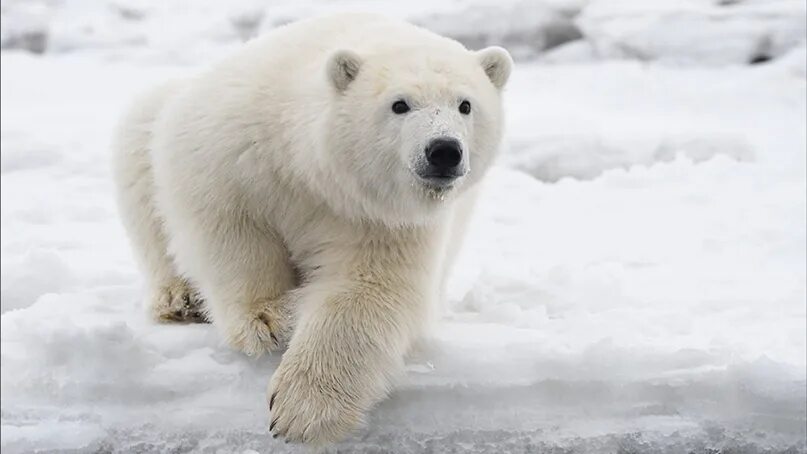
point(171, 298)
point(177, 302)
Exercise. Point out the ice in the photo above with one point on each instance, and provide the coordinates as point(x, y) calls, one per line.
point(694, 31)
point(525, 27)
point(580, 51)
point(634, 279)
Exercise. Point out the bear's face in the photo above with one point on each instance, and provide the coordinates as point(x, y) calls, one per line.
point(414, 127)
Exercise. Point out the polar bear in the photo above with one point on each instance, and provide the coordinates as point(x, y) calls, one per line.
point(312, 190)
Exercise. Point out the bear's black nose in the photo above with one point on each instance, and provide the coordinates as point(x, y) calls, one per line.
point(444, 155)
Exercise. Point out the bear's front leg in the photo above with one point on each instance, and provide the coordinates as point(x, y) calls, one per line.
point(244, 274)
point(354, 328)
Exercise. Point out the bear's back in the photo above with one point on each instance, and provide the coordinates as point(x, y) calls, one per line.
point(291, 53)
point(359, 32)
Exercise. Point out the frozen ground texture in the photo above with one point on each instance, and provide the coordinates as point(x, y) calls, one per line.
point(634, 280)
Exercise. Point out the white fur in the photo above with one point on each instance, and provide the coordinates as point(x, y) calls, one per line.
point(282, 186)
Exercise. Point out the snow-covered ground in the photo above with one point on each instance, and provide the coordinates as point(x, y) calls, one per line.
point(634, 280)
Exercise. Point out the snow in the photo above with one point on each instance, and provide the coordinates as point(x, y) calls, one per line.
point(694, 31)
point(634, 279)
point(524, 27)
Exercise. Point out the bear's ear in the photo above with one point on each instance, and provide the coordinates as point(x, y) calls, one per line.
point(497, 64)
point(343, 67)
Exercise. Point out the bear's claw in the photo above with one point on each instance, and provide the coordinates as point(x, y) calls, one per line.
point(264, 329)
point(303, 413)
point(178, 302)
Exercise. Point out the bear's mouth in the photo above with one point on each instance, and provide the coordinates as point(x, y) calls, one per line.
point(437, 186)
point(439, 178)
point(439, 181)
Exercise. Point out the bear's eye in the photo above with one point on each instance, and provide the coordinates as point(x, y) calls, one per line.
point(465, 107)
point(400, 107)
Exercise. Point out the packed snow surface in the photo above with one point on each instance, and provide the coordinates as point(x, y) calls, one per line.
point(634, 279)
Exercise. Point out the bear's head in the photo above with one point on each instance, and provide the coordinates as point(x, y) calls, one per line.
point(411, 128)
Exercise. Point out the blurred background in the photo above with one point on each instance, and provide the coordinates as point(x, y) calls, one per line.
point(634, 279)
